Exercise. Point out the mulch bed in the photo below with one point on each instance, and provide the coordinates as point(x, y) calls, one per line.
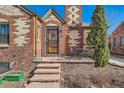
point(88, 76)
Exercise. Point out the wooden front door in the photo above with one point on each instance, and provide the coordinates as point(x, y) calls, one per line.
point(52, 40)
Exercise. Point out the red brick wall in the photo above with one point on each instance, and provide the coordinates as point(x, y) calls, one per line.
point(21, 56)
point(117, 34)
point(73, 18)
point(63, 41)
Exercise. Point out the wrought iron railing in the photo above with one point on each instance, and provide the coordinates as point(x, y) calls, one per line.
point(80, 53)
point(75, 54)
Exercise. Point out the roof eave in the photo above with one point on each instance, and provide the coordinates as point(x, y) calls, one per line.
point(26, 9)
point(29, 11)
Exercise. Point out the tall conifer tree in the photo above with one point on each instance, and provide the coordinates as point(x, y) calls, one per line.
point(98, 37)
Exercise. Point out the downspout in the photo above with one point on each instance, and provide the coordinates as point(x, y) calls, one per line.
point(66, 40)
point(35, 35)
point(65, 45)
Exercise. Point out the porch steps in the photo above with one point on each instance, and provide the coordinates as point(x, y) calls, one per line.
point(48, 65)
point(45, 78)
point(46, 71)
point(43, 85)
point(46, 75)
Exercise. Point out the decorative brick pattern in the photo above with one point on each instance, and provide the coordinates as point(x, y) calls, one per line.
point(3, 20)
point(10, 10)
point(73, 17)
point(22, 25)
point(74, 35)
point(51, 17)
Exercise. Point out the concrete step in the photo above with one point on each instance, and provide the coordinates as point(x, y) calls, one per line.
point(46, 75)
point(43, 85)
point(46, 71)
point(48, 65)
point(45, 78)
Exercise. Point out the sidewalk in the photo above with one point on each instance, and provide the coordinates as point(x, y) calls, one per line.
point(117, 61)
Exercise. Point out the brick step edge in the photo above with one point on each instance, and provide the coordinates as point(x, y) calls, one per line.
point(56, 80)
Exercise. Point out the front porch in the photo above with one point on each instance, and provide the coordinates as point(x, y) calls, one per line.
point(66, 59)
point(47, 72)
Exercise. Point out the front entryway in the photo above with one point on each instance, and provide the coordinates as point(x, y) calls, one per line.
point(52, 39)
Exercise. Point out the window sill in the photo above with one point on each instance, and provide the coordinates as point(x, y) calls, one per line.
point(4, 45)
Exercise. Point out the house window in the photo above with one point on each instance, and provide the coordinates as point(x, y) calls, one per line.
point(114, 42)
point(4, 33)
point(4, 67)
point(122, 41)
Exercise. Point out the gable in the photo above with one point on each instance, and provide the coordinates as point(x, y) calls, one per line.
point(51, 17)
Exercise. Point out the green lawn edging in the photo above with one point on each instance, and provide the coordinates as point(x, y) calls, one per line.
point(14, 76)
point(1, 81)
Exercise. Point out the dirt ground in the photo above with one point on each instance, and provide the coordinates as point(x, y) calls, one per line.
point(19, 84)
point(12, 84)
point(88, 76)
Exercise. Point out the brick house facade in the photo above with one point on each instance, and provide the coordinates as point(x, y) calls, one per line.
point(32, 37)
point(72, 33)
point(19, 50)
point(117, 40)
